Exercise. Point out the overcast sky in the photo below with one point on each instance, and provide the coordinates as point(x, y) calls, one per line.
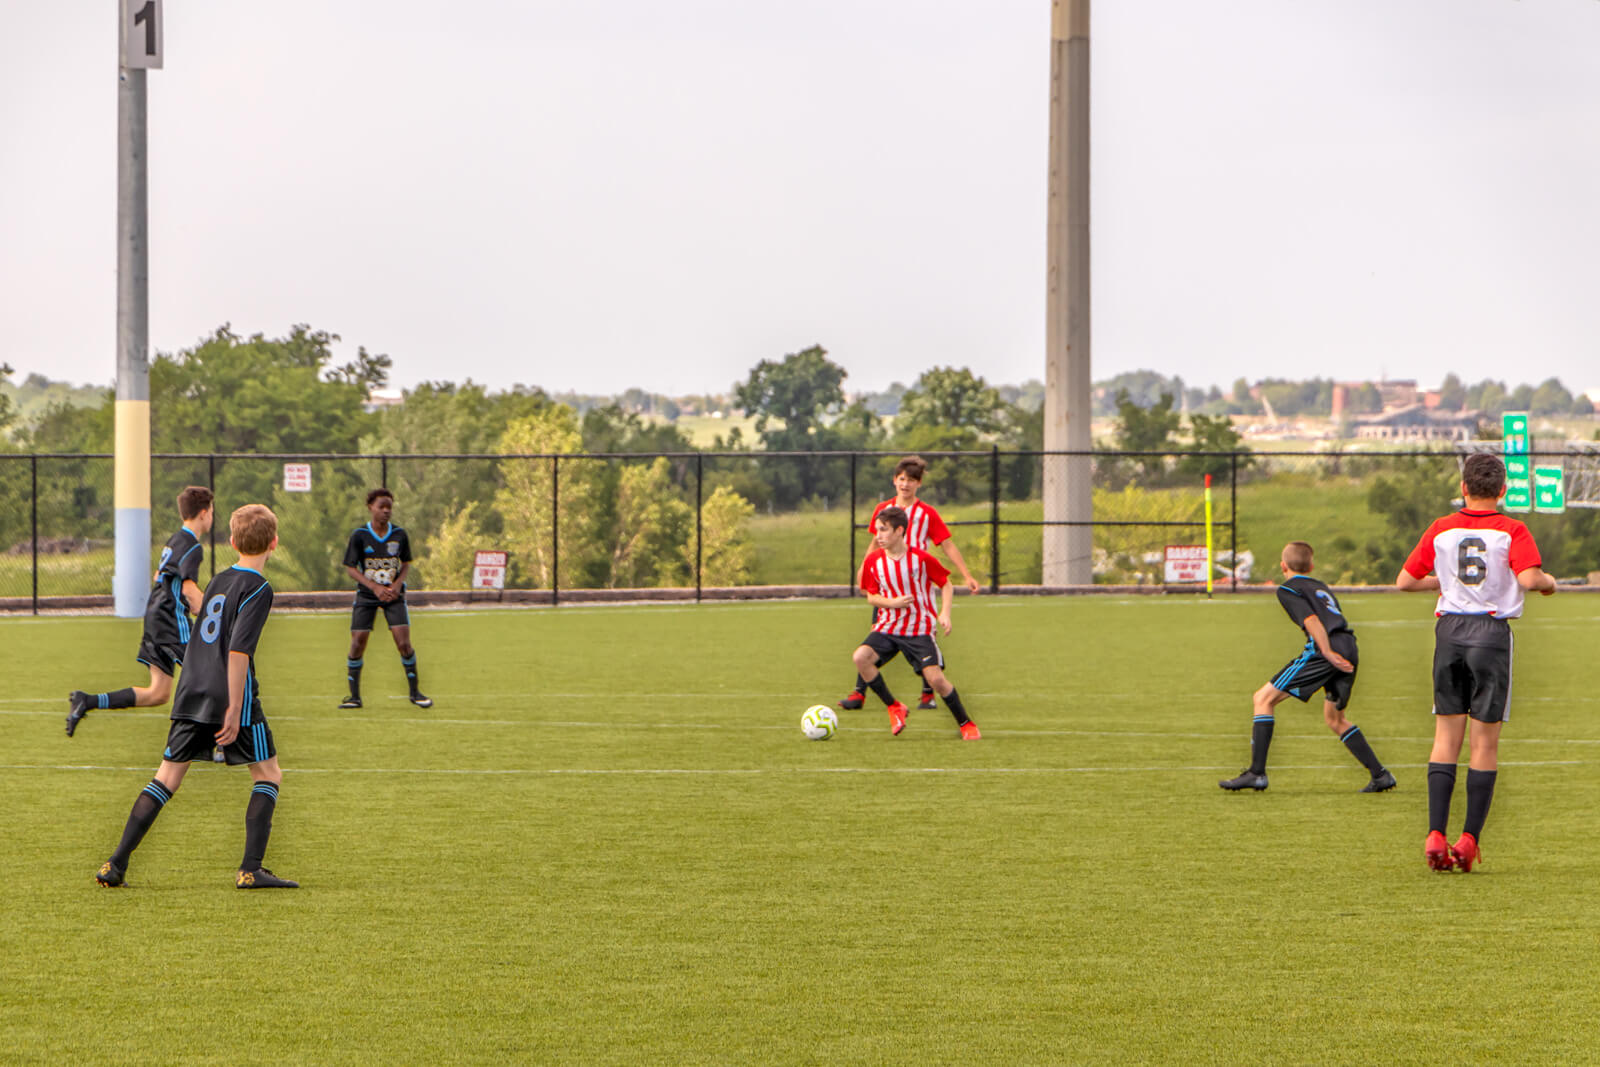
point(598, 196)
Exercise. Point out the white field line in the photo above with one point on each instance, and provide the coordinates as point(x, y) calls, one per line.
point(746, 772)
point(616, 724)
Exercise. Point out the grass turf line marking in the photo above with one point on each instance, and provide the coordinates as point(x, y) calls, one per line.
point(553, 772)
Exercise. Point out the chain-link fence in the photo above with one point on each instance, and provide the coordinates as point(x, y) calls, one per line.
point(694, 521)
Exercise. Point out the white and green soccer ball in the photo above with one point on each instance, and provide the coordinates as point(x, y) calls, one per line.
point(819, 722)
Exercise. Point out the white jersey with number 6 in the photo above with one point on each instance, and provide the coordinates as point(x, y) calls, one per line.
point(1477, 556)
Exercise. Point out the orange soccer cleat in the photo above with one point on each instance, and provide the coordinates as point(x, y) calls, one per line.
point(969, 731)
point(897, 717)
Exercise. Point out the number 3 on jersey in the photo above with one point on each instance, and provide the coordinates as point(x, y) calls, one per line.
point(211, 624)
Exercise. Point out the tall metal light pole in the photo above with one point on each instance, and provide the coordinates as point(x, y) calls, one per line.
point(1068, 488)
point(140, 40)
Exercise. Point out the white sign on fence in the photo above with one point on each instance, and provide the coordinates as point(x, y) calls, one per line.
point(489, 569)
point(1184, 563)
point(297, 477)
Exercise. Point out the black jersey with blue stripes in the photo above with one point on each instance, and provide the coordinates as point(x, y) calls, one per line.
point(234, 610)
point(179, 563)
point(1303, 596)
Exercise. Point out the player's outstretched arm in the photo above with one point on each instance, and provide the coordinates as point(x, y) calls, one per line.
point(1535, 580)
point(953, 554)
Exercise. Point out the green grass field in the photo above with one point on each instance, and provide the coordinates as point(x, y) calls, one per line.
point(609, 842)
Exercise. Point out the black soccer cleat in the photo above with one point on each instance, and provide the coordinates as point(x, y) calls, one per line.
point(261, 878)
point(853, 702)
point(78, 704)
point(926, 702)
point(421, 701)
point(349, 703)
point(110, 875)
point(1247, 780)
point(1380, 784)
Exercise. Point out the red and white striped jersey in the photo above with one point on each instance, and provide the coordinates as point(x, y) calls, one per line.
point(1477, 556)
point(924, 527)
point(915, 574)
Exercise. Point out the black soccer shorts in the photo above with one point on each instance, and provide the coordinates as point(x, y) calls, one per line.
point(1309, 672)
point(920, 651)
point(164, 657)
point(365, 612)
point(1472, 667)
point(188, 741)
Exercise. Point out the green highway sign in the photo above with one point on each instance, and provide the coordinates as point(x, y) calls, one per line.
point(1514, 433)
point(1549, 494)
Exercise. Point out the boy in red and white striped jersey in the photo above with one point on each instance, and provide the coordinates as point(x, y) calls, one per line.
point(901, 581)
point(1480, 562)
point(924, 529)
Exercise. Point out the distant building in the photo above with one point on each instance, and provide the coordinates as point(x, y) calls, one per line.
point(1417, 422)
point(378, 399)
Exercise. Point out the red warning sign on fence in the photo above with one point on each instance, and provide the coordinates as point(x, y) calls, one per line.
point(1185, 563)
point(489, 569)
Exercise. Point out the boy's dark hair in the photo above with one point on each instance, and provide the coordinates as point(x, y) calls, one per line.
point(1297, 554)
point(376, 493)
point(252, 529)
point(915, 466)
point(895, 517)
point(1484, 476)
point(193, 500)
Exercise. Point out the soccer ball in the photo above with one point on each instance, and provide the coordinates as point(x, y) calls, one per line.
point(819, 722)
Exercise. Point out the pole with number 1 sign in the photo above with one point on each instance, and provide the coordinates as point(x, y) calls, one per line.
point(140, 39)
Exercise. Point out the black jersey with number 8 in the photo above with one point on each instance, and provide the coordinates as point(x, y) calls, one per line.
point(232, 614)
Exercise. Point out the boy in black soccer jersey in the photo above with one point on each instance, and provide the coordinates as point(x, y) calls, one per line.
point(174, 596)
point(378, 558)
point(218, 702)
point(1327, 662)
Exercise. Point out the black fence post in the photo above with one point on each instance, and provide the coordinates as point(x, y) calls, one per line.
point(211, 484)
point(994, 519)
point(699, 515)
point(34, 524)
point(851, 583)
point(1233, 521)
point(383, 470)
point(555, 530)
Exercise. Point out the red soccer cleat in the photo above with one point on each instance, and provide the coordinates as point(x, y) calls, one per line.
point(969, 731)
point(852, 702)
point(1466, 853)
point(926, 702)
point(897, 717)
point(1437, 852)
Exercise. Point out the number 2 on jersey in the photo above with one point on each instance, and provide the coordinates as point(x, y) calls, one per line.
point(211, 624)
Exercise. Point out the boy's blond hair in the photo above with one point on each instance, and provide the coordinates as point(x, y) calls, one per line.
point(253, 529)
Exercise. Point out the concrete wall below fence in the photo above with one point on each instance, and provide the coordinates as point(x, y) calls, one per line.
point(340, 601)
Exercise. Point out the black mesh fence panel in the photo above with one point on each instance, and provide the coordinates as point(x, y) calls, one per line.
point(693, 521)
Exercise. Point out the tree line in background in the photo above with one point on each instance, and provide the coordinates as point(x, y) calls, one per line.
point(626, 523)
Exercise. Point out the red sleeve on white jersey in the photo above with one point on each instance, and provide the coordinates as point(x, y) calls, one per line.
point(1420, 563)
point(872, 523)
point(938, 532)
point(1524, 553)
